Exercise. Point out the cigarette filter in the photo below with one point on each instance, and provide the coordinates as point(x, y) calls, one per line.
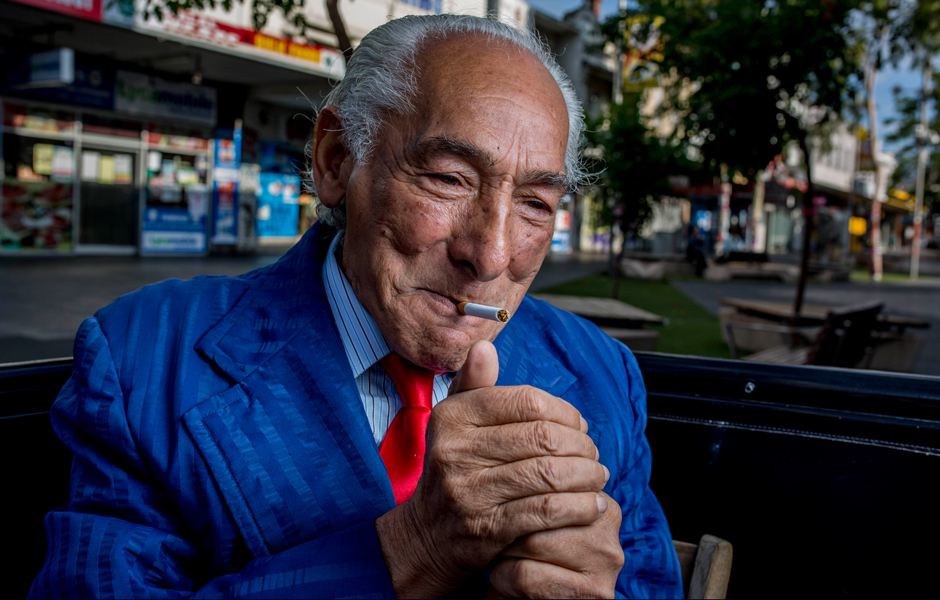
point(484, 312)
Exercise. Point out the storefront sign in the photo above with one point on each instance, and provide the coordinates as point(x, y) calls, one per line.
point(230, 30)
point(278, 208)
point(225, 190)
point(141, 95)
point(83, 9)
point(51, 68)
point(91, 85)
point(175, 230)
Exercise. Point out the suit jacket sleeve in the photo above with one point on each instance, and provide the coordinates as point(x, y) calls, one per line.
point(651, 567)
point(122, 535)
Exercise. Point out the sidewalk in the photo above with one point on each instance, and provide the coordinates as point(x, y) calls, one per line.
point(44, 300)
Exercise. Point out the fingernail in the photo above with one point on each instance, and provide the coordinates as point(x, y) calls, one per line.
point(601, 504)
point(606, 474)
point(584, 426)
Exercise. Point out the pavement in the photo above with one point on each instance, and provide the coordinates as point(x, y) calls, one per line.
point(44, 300)
point(919, 299)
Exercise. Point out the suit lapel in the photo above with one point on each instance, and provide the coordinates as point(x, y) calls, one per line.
point(289, 445)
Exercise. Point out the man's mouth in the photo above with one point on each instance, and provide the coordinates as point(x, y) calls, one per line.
point(443, 299)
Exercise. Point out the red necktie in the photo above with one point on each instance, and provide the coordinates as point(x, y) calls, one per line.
point(403, 446)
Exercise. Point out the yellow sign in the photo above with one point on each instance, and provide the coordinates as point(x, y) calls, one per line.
point(304, 52)
point(899, 194)
point(106, 170)
point(42, 159)
point(643, 52)
point(858, 226)
point(270, 43)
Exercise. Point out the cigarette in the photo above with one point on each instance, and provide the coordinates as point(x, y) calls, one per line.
point(484, 312)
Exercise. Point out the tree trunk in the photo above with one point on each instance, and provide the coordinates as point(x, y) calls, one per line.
point(339, 28)
point(757, 227)
point(614, 266)
point(871, 73)
point(809, 210)
point(922, 136)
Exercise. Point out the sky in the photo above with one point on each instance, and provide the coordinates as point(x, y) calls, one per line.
point(888, 78)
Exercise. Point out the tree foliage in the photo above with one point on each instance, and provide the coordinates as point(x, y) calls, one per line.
point(905, 134)
point(746, 76)
point(631, 165)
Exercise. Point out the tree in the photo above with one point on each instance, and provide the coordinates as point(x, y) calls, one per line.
point(874, 34)
point(919, 36)
point(745, 77)
point(631, 167)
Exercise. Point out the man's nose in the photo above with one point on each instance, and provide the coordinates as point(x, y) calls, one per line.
point(483, 240)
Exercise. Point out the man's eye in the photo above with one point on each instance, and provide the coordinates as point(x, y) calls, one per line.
point(538, 205)
point(448, 179)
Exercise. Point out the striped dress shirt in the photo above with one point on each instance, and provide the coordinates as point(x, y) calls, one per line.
point(365, 347)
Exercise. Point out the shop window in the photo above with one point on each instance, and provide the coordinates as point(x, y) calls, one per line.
point(110, 126)
point(177, 201)
point(110, 198)
point(179, 139)
point(37, 196)
point(38, 120)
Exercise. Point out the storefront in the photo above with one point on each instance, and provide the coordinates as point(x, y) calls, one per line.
point(129, 172)
point(141, 154)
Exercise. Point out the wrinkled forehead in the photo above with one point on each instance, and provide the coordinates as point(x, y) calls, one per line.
point(460, 66)
point(476, 85)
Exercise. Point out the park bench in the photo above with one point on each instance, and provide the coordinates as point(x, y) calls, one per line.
point(859, 336)
point(822, 478)
point(844, 340)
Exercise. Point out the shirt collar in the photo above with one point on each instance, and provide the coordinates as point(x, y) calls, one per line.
point(362, 340)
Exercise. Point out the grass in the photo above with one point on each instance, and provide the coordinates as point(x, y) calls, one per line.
point(862, 275)
point(689, 328)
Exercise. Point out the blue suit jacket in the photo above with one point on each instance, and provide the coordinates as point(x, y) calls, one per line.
point(221, 448)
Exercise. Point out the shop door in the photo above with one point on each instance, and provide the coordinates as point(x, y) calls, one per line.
point(109, 199)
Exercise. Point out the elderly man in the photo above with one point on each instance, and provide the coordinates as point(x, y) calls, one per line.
point(272, 434)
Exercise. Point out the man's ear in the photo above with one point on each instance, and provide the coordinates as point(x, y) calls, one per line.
point(331, 161)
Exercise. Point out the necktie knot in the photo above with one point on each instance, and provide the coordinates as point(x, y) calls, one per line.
point(414, 383)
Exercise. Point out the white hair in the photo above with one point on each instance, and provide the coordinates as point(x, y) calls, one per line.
point(382, 80)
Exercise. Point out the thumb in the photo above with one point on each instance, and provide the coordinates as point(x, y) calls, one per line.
point(481, 369)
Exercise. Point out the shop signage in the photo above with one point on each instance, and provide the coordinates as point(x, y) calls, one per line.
point(177, 230)
point(227, 30)
point(225, 190)
point(278, 205)
point(91, 85)
point(83, 9)
point(51, 68)
point(146, 96)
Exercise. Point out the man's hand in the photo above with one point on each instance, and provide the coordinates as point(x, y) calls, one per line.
point(501, 463)
point(573, 562)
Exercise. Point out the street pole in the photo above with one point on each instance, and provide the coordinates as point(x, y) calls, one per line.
point(922, 135)
point(724, 211)
point(876, 252)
